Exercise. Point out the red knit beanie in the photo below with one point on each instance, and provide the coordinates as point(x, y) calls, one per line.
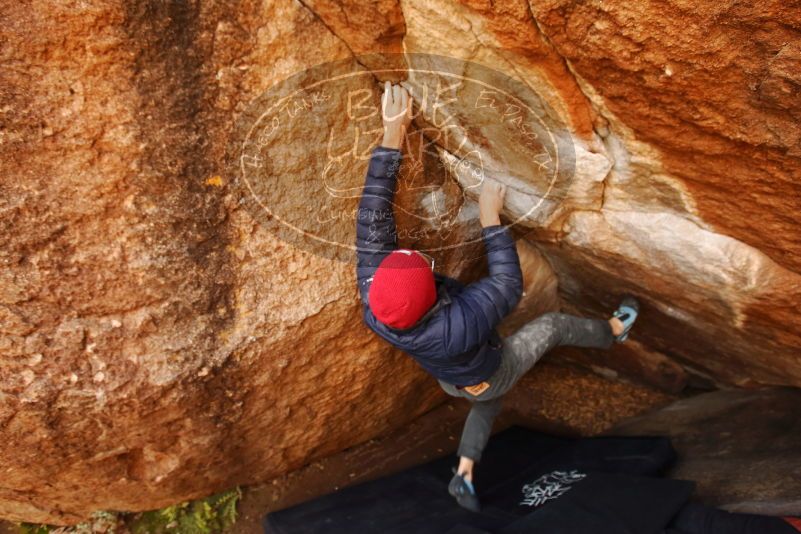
point(403, 289)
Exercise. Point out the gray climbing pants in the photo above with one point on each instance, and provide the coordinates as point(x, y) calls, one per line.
point(519, 354)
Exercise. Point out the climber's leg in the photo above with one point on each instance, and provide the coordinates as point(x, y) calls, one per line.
point(476, 431)
point(551, 330)
point(520, 352)
point(475, 434)
point(477, 427)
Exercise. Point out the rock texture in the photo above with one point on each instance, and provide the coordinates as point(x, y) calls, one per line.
point(695, 209)
point(740, 446)
point(157, 343)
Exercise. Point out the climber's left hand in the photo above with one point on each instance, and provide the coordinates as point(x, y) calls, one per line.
point(396, 111)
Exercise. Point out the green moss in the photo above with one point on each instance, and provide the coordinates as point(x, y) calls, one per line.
point(211, 515)
point(205, 516)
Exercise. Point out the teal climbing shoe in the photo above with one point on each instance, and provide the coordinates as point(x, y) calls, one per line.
point(464, 492)
point(627, 314)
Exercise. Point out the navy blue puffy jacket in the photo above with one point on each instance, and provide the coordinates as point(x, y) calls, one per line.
point(455, 340)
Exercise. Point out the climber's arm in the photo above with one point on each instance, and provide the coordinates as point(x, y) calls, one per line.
point(375, 222)
point(478, 309)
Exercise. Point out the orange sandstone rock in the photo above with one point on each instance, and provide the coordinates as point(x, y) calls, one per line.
point(158, 343)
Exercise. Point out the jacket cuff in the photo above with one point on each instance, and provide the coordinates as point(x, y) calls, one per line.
point(469, 452)
point(384, 153)
point(497, 237)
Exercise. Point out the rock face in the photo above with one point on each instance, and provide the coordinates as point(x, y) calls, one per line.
point(160, 343)
point(741, 447)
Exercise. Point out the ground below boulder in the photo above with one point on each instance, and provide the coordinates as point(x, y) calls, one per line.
point(741, 447)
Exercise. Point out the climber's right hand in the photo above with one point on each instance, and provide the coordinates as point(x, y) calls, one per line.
point(490, 203)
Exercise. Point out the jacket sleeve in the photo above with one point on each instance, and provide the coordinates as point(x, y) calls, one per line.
point(478, 309)
point(376, 234)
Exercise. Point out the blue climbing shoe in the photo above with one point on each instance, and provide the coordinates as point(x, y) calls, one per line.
point(464, 492)
point(627, 314)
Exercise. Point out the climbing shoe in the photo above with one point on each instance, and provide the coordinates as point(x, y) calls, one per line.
point(627, 314)
point(464, 492)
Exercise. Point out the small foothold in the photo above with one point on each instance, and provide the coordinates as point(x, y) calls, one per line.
point(215, 181)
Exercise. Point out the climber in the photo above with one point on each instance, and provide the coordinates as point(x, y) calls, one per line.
point(449, 328)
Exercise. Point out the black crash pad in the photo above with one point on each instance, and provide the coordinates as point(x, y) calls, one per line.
point(526, 481)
